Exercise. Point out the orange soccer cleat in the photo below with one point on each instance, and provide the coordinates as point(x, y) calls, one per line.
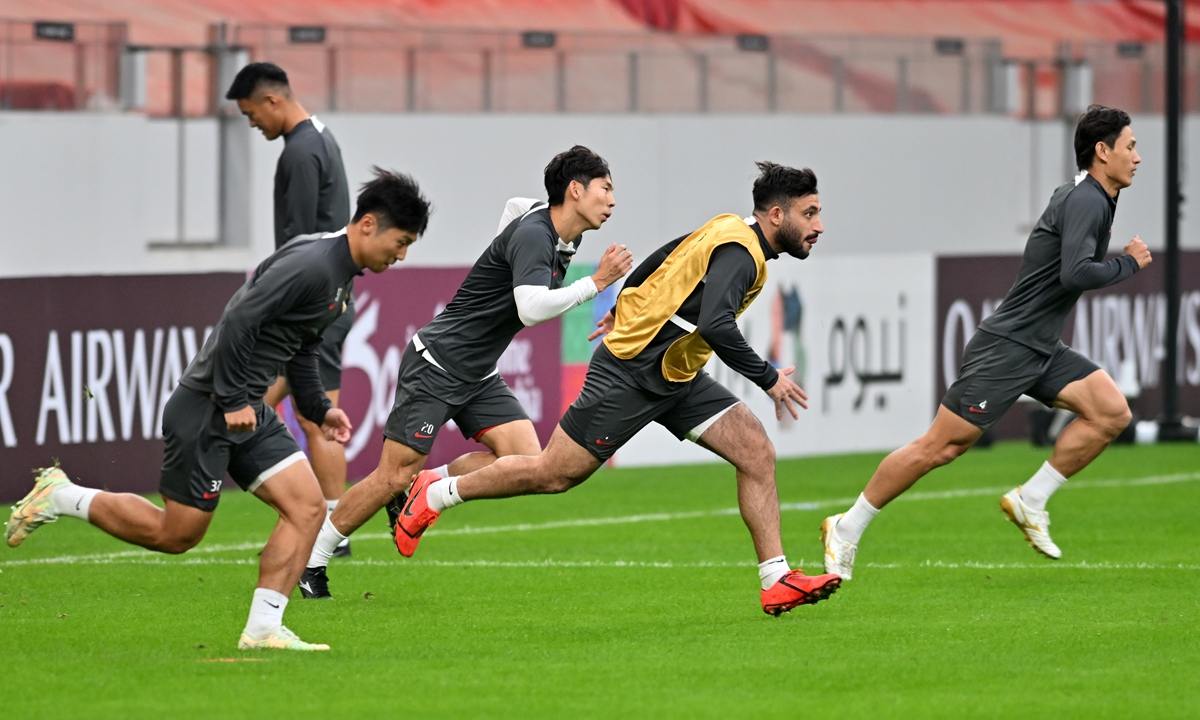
point(796, 588)
point(417, 516)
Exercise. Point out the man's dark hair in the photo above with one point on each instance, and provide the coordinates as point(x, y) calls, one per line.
point(395, 200)
point(579, 164)
point(780, 184)
point(255, 76)
point(1098, 124)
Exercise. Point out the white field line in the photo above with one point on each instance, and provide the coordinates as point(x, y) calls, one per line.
point(153, 559)
point(149, 558)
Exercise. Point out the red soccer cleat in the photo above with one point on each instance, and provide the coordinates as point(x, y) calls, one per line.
point(796, 588)
point(417, 516)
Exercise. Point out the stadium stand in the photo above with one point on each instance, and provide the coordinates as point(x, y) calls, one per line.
point(925, 56)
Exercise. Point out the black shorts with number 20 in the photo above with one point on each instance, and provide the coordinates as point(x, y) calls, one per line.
point(996, 371)
point(427, 396)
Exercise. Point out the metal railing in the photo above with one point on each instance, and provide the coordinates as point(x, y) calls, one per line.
point(60, 65)
point(414, 70)
point(89, 65)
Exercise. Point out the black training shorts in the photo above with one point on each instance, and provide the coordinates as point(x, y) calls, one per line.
point(427, 396)
point(329, 352)
point(996, 371)
point(610, 409)
point(200, 449)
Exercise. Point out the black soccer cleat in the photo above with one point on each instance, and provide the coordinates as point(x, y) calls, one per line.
point(394, 507)
point(314, 583)
point(342, 550)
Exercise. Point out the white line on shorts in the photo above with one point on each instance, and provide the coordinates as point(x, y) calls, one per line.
point(150, 558)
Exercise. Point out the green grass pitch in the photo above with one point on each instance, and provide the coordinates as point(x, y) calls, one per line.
point(636, 595)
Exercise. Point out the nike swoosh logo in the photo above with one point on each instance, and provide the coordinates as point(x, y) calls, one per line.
point(207, 496)
point(411, 500)
point(421, 436)
point(601, 442)
point(304, 585)
point(981, 412)
point(78, 503)
point(271, 604)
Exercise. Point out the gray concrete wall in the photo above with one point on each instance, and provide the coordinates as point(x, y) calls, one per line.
point(84, 193)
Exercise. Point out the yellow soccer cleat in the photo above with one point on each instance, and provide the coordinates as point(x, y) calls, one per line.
point(34, 509)
point(281, 639)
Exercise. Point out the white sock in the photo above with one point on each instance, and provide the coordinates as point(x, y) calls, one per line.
point(443, 470)
point(266, 613)
point(330, 506)
point(327, 541)
point(850, 527)
point(1038, 489)
point(769, 571)
point(443, 494)
point(72, 500)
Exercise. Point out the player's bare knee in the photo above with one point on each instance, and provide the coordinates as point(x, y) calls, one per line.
point(526, 447)
point(935, 454)
point(176, 544)
point(550, 481)
point(396, 482)
point(313, 513)
point(556, 484)
point(759, 458)
point(1116, 420)
point(951, 452)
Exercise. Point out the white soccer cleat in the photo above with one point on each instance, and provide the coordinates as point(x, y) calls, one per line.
point(1034, 523)
point(839, 554)
point(281, 639)
point(35, 510)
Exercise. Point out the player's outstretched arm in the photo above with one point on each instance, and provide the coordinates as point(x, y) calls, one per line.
point(538, 303)
point(785, 392)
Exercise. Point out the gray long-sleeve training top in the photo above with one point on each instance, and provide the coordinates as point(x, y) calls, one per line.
point(276, 320)
point(1063, 257)
point(311, 192)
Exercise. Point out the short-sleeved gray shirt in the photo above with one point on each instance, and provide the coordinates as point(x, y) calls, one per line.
point(471, 334)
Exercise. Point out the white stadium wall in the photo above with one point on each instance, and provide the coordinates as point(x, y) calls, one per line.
point(88, 193)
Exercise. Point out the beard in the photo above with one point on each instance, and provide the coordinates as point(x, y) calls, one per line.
point(791, 240)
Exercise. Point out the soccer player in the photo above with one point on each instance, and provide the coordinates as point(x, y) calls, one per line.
point(311, 196)
point(1017, 350)
point(448, 370)
point(678, 308)
point(215, 421)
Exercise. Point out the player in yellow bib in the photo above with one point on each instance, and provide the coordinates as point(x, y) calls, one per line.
point(677, 308)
